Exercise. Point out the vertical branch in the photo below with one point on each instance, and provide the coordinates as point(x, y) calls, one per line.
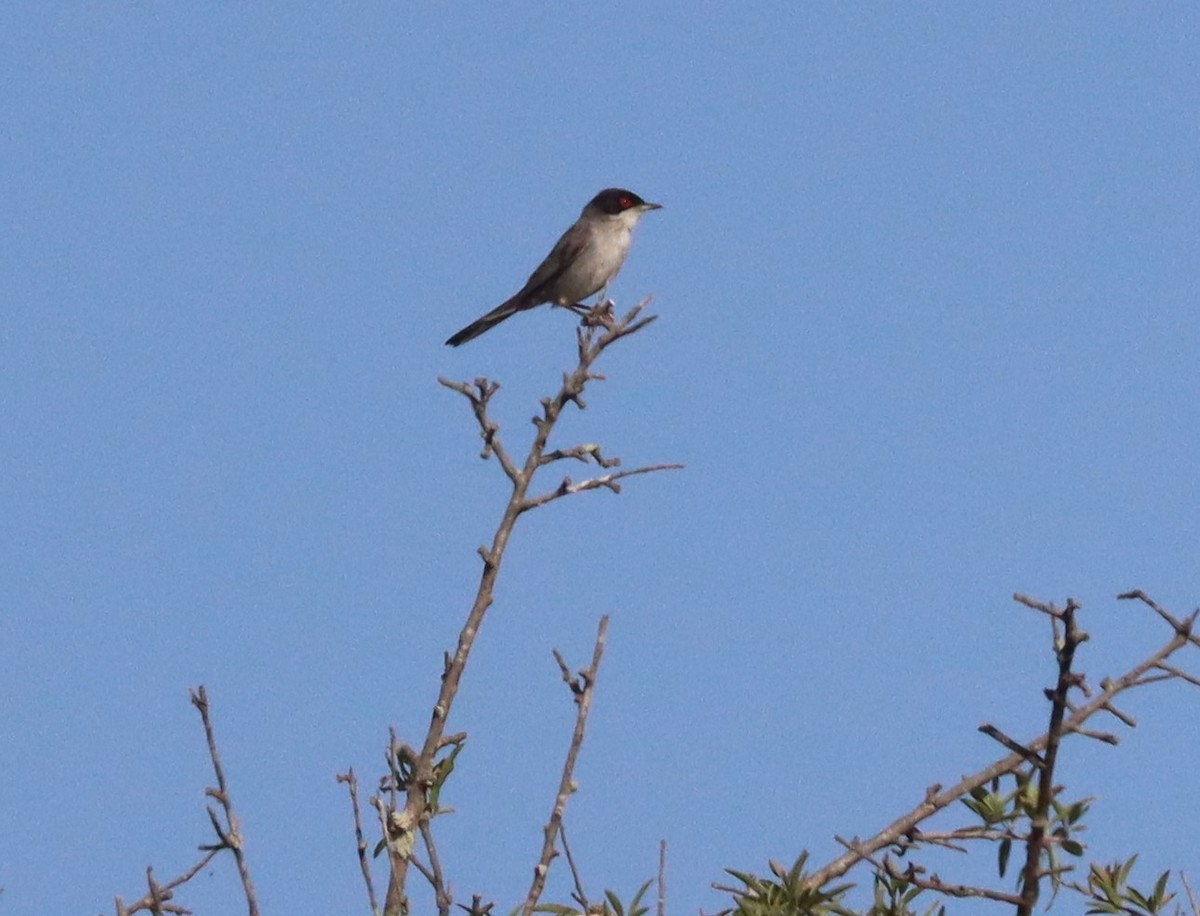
point(580, 893)
point(662, 878)
point(230, 834)
point(601, 330)
point(1065, 648)
point(363, 862)
point(440, 891)
point(582, 687)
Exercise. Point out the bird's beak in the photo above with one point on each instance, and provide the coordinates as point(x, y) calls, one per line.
point(646, 208)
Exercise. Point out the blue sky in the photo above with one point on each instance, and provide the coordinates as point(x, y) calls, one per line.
point(927, 281)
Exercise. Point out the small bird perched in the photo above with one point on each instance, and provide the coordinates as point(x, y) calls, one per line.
point(584, 260)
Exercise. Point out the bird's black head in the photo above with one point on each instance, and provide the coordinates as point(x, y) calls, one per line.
point(612, 201)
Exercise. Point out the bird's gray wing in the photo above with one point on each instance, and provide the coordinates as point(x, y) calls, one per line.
point(539, 287)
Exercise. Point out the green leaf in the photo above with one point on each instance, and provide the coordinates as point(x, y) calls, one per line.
point(1005, 852)
point(1160, 888)
point(1124, 870)
point(635, 905)
point(1138, 899)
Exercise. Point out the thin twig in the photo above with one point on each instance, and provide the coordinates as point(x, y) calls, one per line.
point(582, 690)
point(914, 874)
point(230, 834)
point(584, 453)
point(441, 892)
point(580, 893)
point(608, 481)
point(662, 878)
point(162, 892)
point(364, 862)
point(1011, 744)
point(479, 395)
point(1191, 894)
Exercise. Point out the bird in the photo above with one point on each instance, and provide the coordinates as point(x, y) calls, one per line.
point(582, 262)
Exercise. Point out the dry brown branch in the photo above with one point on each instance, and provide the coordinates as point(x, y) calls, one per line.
point(608, 481)
point(160, 893)
point(914, 874)
point(601, 329)
point(582, 688)
point(1072, 638)
point(229, 836)
point(479, 394)
point(579, 893)
point(1011, 744)
point(441, 893)
point(230, 833)
point(364, 863)
point(937, 799)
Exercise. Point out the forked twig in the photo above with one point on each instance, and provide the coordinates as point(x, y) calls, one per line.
point(582, 687)
point(601, 329)
point(229, 836)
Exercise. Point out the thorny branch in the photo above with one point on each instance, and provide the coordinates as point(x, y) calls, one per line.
point(582, 687)
point(1065, 646)
point(1066, 718)
point(600, 330)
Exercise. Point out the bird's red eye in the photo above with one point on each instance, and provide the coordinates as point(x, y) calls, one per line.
point(625, 203)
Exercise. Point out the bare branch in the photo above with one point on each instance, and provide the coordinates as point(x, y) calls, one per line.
point(600, 330)
point(608, 481)
point(231, 835)
point(582, 689)
point(1103, 737)
point(662, 878)
point(1044, 607)
point(1195, 905)
point(160, 893)
point(1015, 746)
point(441, 892)
point(914, 875)
point(1183, 627)
point(479, 395)
point(364, 862)
point(1182, 675)
point(584, 453)
point(580, 894)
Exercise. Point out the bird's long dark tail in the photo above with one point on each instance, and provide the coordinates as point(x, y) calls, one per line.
point(487, 322)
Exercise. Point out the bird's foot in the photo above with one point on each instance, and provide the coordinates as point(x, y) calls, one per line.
point(600, 315)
